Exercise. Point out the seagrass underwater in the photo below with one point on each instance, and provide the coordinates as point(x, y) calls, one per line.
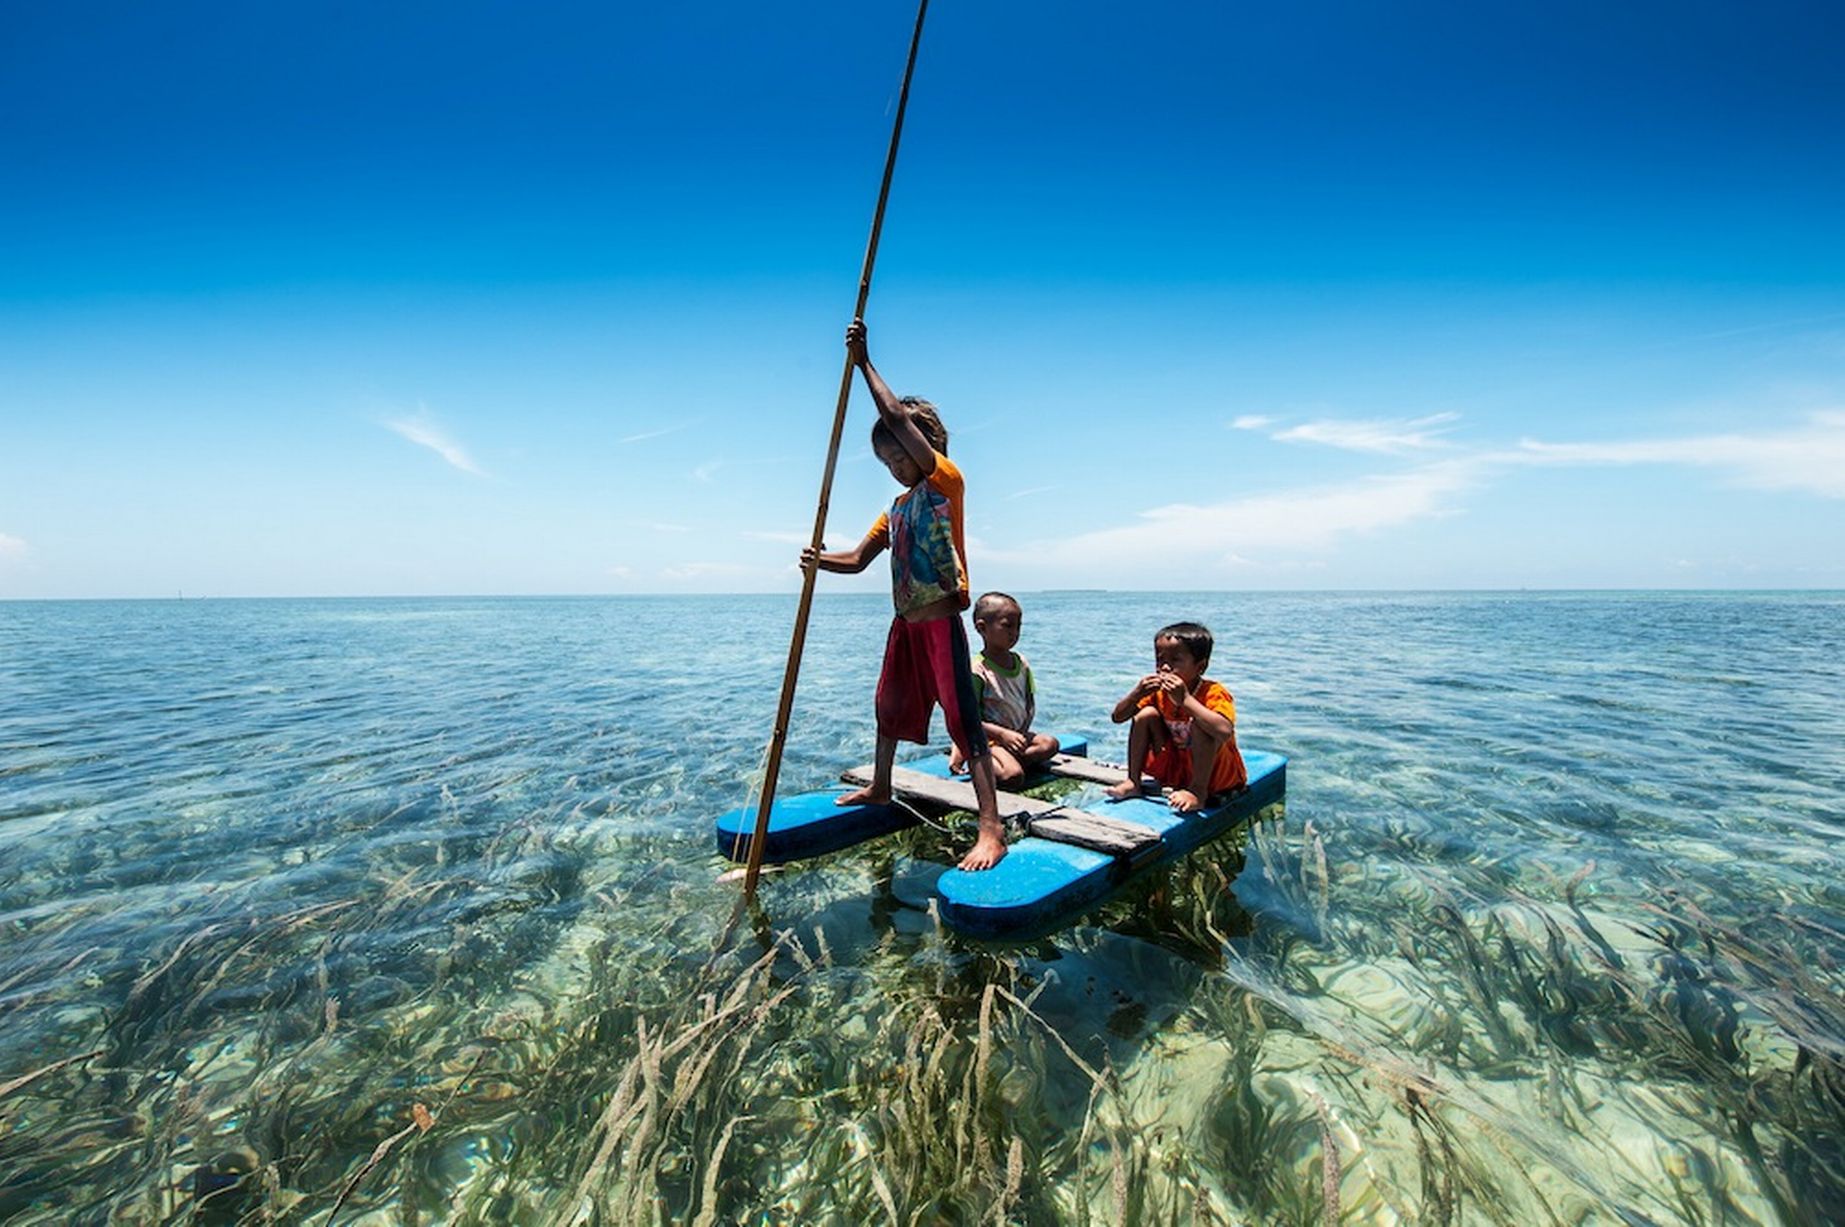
point(407, 907)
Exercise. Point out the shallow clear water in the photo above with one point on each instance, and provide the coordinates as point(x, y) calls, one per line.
point(405, 911)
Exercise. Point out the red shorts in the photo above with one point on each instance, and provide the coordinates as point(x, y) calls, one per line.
point(1172, 767)
point(926, 663)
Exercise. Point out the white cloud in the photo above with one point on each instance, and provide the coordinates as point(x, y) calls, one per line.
point(1810, 458)
point(1190, 534)
point(655, 434)
point(1288, 528)
point(709, 469)
point(1026, 493)
point(667, 528)
point(779, 538)
point(423, 431)
point(1252, 421)
point(1388, 436)
point(622, 572)
point(12, 548)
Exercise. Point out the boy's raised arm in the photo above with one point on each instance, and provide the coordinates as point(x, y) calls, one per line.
point(1219, 725)
point(891, 411)
point(845, 562)
point(1130, 703)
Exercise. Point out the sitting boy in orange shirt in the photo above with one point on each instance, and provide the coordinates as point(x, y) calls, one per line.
point(1184, 724)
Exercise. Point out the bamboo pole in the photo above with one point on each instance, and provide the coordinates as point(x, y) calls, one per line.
point(778, 738)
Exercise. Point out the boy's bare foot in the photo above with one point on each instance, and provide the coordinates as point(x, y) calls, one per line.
point(868, 795)
point(1125, 789)
point(988, 851)
point(1184, 800)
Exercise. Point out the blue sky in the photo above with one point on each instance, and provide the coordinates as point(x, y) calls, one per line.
point(466, 298)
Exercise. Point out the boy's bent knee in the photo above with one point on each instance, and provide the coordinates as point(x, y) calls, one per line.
point(1205, 742)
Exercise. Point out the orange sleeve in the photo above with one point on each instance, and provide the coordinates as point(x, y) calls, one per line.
point(880, 530)
point(947, 479)
point(1220, 701)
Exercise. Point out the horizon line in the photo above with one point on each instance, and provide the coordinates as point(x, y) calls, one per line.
point(598, 596)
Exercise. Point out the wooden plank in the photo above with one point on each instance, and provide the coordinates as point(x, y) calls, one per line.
point(1070, 767)
point(1045, 819)
point(1063, 766)
point(1115, 836)
point(949, 794)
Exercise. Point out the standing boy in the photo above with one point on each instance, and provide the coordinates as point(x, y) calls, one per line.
point(925, 654)
point(1184, 724)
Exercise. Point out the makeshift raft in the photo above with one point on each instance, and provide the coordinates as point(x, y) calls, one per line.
point(1069, 861)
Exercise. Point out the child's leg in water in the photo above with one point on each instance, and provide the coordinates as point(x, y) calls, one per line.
point(1146, 734)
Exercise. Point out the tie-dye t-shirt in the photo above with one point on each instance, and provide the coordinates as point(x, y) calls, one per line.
point(928, 556)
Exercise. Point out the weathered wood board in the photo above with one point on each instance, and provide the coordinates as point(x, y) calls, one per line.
point(949, 793)
point(815, 824)
point(1099, 832)
point(1046, 819)
point(1070, 767)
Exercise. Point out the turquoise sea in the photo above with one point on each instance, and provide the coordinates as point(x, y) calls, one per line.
point(408, 911)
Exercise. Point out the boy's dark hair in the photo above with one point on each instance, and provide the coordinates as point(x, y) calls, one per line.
point(990, 603)
point(927, 420)
point(1195, 636)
